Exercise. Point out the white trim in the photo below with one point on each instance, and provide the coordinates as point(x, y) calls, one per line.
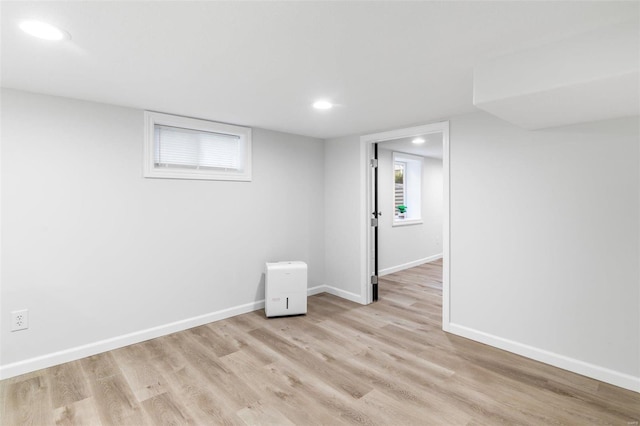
point(446, 228)
point(83, 351)
point(344, 294)
point(150, 171)
point(566, 363)
point(78, 352)
point(316, 290)
point(411, 162)
point(391, 270)
point(366, 185)
point(406, 222)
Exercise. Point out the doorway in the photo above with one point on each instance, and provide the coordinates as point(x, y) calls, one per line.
point(404, 151)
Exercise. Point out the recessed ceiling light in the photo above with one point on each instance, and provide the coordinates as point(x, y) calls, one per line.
point(43, 30)
point(322, 105)
point(418, 141)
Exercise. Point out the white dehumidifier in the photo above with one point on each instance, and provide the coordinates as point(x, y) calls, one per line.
point(285, 289)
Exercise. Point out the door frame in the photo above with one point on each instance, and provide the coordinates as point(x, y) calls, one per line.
point(366, 242)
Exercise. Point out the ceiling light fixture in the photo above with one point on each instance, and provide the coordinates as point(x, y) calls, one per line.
point(322, 105)
point(43, 30)
point(418, 141)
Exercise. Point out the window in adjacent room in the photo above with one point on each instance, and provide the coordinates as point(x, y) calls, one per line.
point(399, 193)
point(407, 194)
point(187, 148)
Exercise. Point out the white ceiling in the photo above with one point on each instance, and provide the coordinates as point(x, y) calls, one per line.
point(432, 147)
point(387, 64)
point(592, 76)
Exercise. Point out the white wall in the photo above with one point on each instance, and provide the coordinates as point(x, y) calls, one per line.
point(544, 242)
point(401, 247)
point(544, 233)
point(95, 251)
point(343, 217)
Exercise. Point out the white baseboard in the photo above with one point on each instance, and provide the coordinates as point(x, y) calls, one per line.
point(78, 352)
point(316, 290)
point(387, 271)
point(343, 294)
point(566, 363)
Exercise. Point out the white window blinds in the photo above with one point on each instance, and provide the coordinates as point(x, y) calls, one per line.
point(196, 149)
point(178, 147)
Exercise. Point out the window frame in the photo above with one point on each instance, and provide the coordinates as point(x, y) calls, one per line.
point(403, 164)
point(156, 118)
point(413, 167)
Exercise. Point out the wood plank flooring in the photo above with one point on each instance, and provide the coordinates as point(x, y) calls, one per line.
point(388, 363)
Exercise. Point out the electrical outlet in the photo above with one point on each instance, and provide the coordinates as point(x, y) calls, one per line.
point(20, 320)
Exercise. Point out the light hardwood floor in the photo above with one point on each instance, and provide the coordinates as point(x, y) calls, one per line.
point(388, 363)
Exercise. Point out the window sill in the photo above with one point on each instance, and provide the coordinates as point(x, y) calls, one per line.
point(160, 173)
point(406, 222)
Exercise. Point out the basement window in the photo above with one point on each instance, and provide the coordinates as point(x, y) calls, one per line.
point(400, 188)
point(407, 194)
point(188, 148)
